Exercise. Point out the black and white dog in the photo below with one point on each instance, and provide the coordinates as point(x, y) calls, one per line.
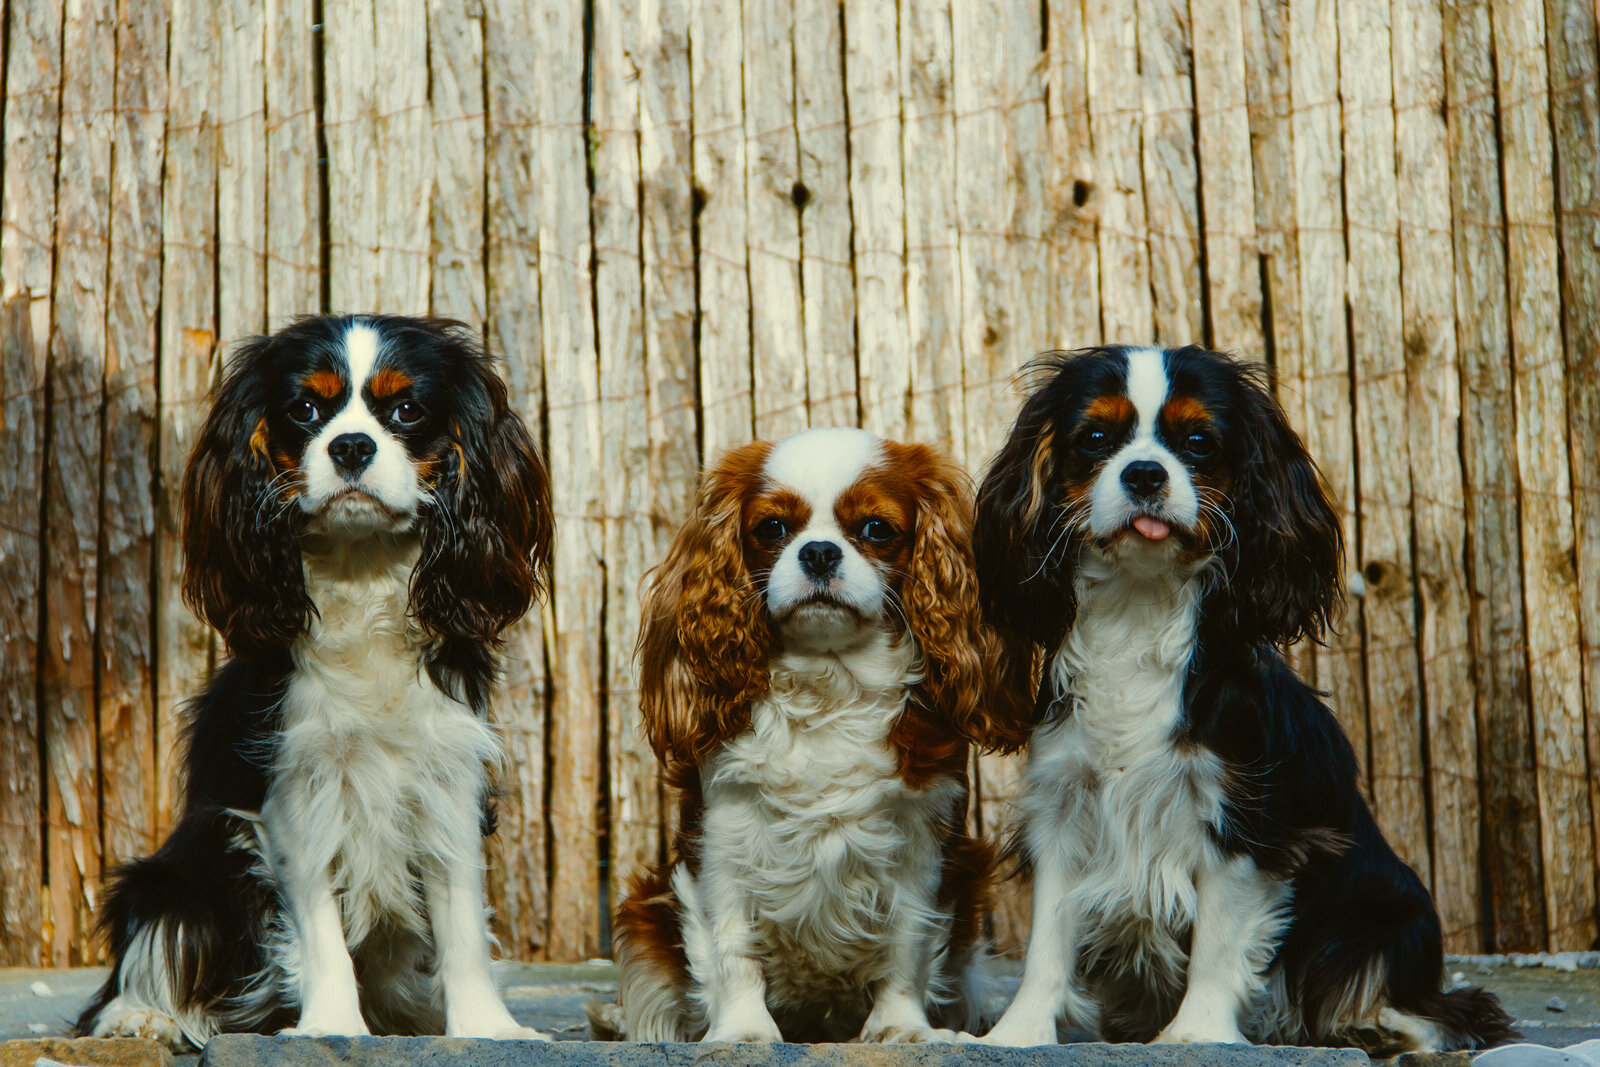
point(1202, 859)
point(363, 516)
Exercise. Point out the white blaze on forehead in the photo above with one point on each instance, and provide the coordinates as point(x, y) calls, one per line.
point(361, 354)
point(1147, 386)
point(821, 464)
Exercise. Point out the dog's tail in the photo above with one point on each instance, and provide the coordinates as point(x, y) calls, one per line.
point(606, 1022)
point(1466, 1017)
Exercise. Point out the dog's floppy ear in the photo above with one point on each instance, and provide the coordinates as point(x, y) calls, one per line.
point(241, 548)
point(1025, 553)
point(486, 532)
point(704, 639)
point(1286, 562)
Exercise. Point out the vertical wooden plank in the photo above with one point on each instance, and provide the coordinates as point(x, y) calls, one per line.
point(933, 263)
point(1171, 188)
point(1575, 113)
point(772, 167)
point(455, 58)
point(1512, 855)
point(294, 209)
point(635, 797)
point(666, 198)
point(1433, 376)
point(242, 173)
point(519, 853)
point(1388, 604)
point(1319, 223)
point(877, 206)
point(349, 104)
point(1000, 139)
point(27, 245)
point(73, 480)
point(716, 83)
point(827, 276)
point(1073, 252)
point(1116, 110)
point(1548, 574)
point(127, 689)
point(572, 387)
point(1227, 191)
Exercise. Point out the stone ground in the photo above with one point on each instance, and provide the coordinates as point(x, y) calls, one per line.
point(1556, 1001)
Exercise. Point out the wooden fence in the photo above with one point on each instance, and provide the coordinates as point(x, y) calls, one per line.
point(684, 222)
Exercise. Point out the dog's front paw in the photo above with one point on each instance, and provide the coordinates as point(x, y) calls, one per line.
point(746, 1028)
point(136, 1020)
point(908, 1035)
point(1180, 1032)
point(519, 1033)
point(326, 1028)
point(1017, 1033)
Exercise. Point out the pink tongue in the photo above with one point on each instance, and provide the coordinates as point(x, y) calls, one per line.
point(1154, 529)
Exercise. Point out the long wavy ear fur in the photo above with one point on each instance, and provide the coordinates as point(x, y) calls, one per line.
point(241, 570)
point(1286, 563)
point(486, 541)
point(1025, 562)
point(940, 596)
point(704, 641)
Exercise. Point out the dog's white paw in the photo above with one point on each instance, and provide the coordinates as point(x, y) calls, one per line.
point(909, 1035)
point(135, 1020)
point(517, 1033)
point(1185, 1034)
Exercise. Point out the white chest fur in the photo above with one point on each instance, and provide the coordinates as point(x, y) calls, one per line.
point(807, 817)
point(1127, 808)
point(377, 771)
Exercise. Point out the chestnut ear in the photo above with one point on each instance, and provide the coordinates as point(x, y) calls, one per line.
point(486, 534)
point(241, 549)
point(939, 594)
point(1286, 563)
point(704, 639)
point(1026, 558)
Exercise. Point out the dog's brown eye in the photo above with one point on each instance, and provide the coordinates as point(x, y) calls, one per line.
point(1200, 445)
point(406, 414)
point(770, 530)
point(1094, 442)
point(877, 531)
point(303, 411)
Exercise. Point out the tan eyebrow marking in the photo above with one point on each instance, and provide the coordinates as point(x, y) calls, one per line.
point(1116, 409)
point(1184, 410)
point(387, 382)
point(325, 383)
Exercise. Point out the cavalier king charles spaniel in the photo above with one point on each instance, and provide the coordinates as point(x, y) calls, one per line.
point(1204, 867)
point(812, 659)
point(363, 516)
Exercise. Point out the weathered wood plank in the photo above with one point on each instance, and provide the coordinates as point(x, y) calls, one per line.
point(455, 58)
point(1227, 188)
point(1512, 855)
point(772, 168)
point(1575, 115)
point(127, 722)
point(827, 276)
point(1073, 254)
point(242, 173)
point(716, 28)
point(349, 105)
point(572, 389)
point(1388, 604)
point(1319, 229)
point(666, 197)
point(1116, 111)
point(933, 263)
point(404, 161)
point(72, 482)
point(1433, 376)
point(518, 854)
point(634, 810)
point(877, 206)
point(294, 209)
point(1171, 187)
point(1548, 574)
point(32, 116)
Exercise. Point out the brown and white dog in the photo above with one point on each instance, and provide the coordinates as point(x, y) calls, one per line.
point(812, 660)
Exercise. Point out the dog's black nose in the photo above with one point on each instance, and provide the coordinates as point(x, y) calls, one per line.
point(820, 559)
point(1144, 477)
point(351, 452)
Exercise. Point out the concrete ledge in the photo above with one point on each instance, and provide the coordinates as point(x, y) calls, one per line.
point(256, 1051)
point(85, 1052)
